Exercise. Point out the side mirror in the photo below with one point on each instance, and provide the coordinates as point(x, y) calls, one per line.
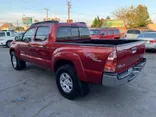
point(18, 38)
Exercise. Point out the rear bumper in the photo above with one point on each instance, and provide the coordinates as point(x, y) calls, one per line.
point(150, 46)
point(113, 79)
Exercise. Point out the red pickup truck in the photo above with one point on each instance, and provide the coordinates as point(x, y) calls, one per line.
point(66, 48)
point(105, 33)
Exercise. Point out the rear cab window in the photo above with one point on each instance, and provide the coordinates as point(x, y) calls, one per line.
point(69, 32)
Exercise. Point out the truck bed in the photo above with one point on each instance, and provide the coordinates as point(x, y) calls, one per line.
point(103, 42)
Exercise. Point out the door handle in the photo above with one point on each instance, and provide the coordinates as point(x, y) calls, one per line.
point(44, 46)
point(29, 45)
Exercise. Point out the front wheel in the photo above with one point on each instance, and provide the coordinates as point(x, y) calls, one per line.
point(68, 83)
point(8, 44)
point(16, 63)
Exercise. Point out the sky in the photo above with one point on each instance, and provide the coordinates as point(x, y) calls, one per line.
point(81, 10)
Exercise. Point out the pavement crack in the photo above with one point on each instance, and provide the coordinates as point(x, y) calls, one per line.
point(13, 86)
point(44, 107)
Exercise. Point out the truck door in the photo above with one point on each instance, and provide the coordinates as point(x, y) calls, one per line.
point(25, 44)
point(110, 34)
point(40, 51)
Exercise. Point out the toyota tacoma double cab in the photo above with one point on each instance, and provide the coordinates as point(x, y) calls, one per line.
point(67, 49)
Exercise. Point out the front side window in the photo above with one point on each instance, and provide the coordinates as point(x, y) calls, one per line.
point(29, 35)
point(42, 33)
point(63, 33)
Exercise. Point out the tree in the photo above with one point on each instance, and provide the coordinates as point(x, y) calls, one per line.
point(108, 18)
point(97, 23)
point(133, 16)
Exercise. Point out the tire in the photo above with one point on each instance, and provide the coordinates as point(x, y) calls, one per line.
point(16, 63)
point(64, 72)
point(8, 44)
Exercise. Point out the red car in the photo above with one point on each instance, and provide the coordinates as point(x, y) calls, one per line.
point(66, 48)
point(105, 33)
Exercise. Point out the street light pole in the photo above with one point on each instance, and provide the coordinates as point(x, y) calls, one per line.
point(46, 13)
point(69, 7)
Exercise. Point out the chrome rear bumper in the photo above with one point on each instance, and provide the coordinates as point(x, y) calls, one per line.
point(113, 79)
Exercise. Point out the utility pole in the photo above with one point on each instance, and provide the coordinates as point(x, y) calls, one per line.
point(69, 7)
point(17, 26)
point(46, 13)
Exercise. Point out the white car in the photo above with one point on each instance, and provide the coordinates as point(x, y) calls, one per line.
point(6, 37)
point(149, 38)
point(132, 34)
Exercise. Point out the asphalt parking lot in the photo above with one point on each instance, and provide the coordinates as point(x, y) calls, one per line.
point(33, 93)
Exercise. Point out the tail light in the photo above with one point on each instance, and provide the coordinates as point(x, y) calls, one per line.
point(125, 35)
point(152, 41)
point(111, 62)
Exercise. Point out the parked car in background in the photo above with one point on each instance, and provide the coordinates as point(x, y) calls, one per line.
point(66, 48)
point(149, 38)
point(132, 33)
point(6, 37)
point(105, 33)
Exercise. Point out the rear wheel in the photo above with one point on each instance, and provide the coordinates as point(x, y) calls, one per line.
point(16, 63)
point(8, 44)
point(68, 83)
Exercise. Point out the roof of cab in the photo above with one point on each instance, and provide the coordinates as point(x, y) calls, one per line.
point(57, 22)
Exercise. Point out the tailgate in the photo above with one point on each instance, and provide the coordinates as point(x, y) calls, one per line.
point(129, 55)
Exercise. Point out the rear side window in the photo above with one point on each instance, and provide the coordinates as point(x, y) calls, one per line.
point(8, 33)
point(84, 32)
point(2, 34)
point(116, 31)
point(42, 33)
point(63, 33)
point(75, 32)
point(110, 32)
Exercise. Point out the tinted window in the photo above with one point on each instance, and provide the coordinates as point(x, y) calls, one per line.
point(94, 32)
point(8, 33)
point(116, 31)
point(104, 32)
point(84, 32)
point(63, 33)
point(42, 33)
point(130, 32)
point(147, 35)
point(29, 35)
point(133, 32)
point(136, 32)
point(110, 32)
point(2, 34)
point(75, 32)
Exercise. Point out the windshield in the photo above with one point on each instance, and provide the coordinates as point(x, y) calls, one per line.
point(94, 32)
point(147, 35)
